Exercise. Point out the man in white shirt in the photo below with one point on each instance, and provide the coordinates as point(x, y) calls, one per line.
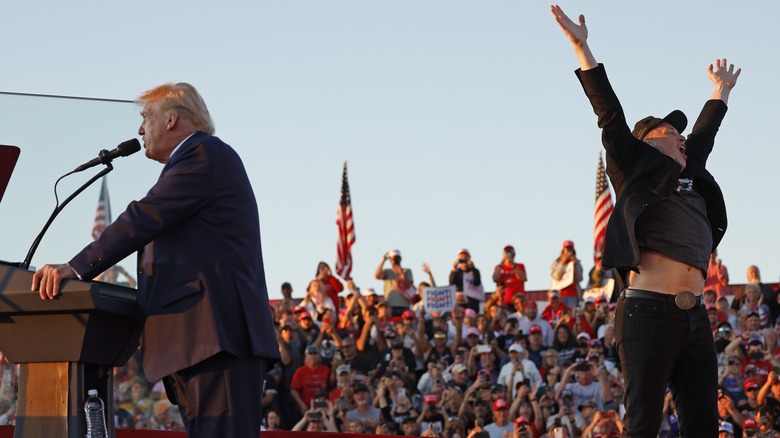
point(521, 367)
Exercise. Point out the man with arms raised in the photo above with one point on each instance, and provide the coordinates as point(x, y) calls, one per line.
point(668, 217)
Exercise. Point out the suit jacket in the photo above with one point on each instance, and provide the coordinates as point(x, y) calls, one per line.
point(201, 280)
point(642, 176)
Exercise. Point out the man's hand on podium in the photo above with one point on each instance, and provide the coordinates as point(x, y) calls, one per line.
point(47, 279)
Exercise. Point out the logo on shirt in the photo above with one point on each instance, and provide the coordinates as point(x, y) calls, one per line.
point(684, 185)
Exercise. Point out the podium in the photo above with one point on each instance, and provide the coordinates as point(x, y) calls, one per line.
point(65, 347)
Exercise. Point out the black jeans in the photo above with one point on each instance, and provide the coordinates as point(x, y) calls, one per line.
point(661, 345)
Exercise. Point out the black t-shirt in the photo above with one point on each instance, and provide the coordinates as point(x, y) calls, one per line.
point(678, 228)
point(367, 360)
point(435, 356)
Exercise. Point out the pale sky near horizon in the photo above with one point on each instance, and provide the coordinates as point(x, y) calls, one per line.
point(462, 121)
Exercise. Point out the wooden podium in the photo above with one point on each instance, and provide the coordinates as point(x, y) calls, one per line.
point(65, 346)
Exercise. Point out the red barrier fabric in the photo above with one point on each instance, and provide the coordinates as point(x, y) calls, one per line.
point(8, 432)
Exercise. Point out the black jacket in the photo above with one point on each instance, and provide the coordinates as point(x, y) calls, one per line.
point(642, 176)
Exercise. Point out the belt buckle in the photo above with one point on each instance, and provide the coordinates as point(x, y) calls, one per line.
point(685, 300)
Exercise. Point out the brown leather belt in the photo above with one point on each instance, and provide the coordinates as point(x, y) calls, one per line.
point(684, 300)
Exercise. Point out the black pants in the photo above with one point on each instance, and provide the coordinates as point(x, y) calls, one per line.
point(220, 397)
point(659, 345)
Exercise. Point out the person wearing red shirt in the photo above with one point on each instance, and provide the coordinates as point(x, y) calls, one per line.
point(309, 378)
point(510, 275)
point(556, 309)
point(331, 284)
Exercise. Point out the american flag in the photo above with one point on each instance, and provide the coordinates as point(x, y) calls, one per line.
point(346, 230)
point(103, 212)
point(602, 211)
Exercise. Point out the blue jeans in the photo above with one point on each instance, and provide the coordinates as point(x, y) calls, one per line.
point(662, 345)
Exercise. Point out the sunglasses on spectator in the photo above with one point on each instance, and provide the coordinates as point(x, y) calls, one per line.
point(439, 336)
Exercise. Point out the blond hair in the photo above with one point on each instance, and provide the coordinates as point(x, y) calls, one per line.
point(183, 99)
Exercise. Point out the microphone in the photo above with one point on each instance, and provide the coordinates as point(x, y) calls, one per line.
point(124, 149)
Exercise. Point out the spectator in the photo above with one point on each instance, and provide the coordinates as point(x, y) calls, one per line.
point(308, 379)
point(765, 419)
point(749, 427)
point(750, 404)
point(769, 396)
point(431, 417)
point(287, 302)
point(330, 284)
point(727, 411)
point(502, 423)
point(586, 388)
point(564, 344)
point(530, 317)
point(523, 428)
point(730, 379)
point(566, 273)
point(400, 293)
point(769, 294)
point(752, 302)
point(273, 421)
point(717, 275)
point(601, 282)
point(367, 414)
point(467, 279)
point(517, 369)
point(535, 348)
point(510, 276)
point(369, 350)
point(292, 348)
point(343, 380)
point(409, 426)
point(603, 424)
point(316, 420)
point(317, 302)
point(567, 417)
point(166, 416)
point(308, 331)
point(725, 430)
point(556, 309)
point(439, 349)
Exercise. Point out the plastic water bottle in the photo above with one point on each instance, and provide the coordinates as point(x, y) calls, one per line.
point(95, 411)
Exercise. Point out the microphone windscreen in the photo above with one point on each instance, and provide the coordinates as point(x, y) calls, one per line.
point(129, 147)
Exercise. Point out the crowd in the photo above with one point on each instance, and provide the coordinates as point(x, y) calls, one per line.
point(354, 360)
point(498, 365)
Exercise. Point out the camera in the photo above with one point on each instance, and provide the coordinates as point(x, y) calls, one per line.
point(314, 416)
point(318, 405)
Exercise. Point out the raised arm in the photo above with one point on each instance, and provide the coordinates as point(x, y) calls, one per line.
point(578, 35)
point(724, 79)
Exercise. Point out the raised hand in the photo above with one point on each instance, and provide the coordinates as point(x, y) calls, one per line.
point(724, 78)
point(720, 75)
point(577, 34)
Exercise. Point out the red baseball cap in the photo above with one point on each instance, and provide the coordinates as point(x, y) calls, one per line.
point(750, 423)
point(408, 314)
point(568, 244)
point(500, 404)
point(303, 315)
point(431, 398)
point(521, 420)
point(750, 382)
point(534, 328)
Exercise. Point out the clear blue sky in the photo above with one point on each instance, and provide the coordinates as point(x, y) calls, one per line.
point(462, 121)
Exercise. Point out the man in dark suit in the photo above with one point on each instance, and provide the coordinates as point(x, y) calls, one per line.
point(201, 280)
